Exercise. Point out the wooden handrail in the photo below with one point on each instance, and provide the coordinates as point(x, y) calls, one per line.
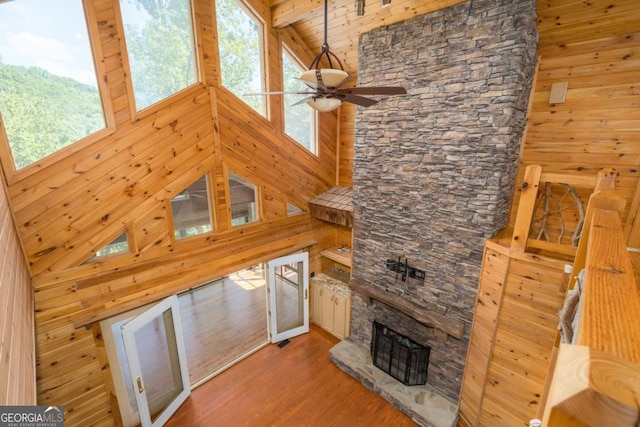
point(611, 304)
point(597, 381)
point(604, 197)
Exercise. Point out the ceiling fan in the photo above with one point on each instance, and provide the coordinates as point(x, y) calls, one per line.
point(325, 92)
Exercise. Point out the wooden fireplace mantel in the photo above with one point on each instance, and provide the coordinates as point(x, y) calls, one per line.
point(452, 327)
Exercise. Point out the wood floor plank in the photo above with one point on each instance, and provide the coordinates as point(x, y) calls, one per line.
point(296, 385)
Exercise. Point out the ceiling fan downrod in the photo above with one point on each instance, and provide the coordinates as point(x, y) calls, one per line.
point(326, 52)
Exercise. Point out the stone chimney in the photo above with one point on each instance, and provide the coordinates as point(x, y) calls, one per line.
point(434, 170)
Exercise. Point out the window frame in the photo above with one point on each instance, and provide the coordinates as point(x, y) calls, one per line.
point(131, 248)
point(257, 201)
point(314, 131)
point(211, 205)
point(12, 174)
point(136, 114)
point(263, 54)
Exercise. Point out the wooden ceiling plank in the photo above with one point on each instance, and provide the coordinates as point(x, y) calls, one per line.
point(290, 12)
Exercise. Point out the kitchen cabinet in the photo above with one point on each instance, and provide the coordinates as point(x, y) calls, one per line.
point(331, 305)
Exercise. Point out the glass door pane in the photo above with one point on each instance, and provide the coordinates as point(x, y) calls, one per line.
point(288, 281)
point(160, 380)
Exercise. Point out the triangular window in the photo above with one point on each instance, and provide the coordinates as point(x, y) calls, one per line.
point(293, 209)
point(119, 245)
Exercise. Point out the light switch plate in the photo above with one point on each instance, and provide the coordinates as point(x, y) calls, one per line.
point(558, 93)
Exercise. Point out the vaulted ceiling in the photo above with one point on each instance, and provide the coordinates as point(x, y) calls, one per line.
point(557, 21)
point(306, 17)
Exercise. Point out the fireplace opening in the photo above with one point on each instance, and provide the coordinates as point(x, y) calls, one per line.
point(399, 356)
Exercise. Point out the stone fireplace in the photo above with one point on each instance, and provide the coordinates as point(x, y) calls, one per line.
point(434, 170)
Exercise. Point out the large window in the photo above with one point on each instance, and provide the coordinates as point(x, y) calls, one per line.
point(240, 45)
point(191, 210)
point(49, 94)
point(160, 47)
point(243, 195)
point(299, 120)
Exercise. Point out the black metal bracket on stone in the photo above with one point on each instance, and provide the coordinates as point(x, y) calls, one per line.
point(404, 269)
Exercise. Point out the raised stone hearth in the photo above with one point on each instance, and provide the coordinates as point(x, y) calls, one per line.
point(423, 403)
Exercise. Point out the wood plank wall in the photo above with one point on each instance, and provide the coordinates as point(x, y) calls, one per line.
point(17, 343)
point(81, 198)
point(512, 340)
point(595, 48)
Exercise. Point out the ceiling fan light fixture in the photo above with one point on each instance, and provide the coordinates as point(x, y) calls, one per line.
point(325, 91)
point(324, 104)
point(326, 77)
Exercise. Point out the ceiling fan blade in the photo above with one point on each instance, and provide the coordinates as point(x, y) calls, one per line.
point(303, 101)
point(358, 100)
point(374, 90)
point(291, 92)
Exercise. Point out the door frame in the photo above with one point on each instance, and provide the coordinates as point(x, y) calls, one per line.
point(176, 341)
point(300, 257)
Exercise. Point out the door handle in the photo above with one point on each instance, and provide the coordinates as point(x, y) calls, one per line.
point(140, 388)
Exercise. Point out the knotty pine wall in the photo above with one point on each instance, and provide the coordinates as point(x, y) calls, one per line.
point(17, 343)
point(595, 48)
point(68, 206)
point(513, 333)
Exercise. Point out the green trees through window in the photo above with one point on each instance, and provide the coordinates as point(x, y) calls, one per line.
point(48, 89)
point(160, 47)
point(119, 245)
point(240, 45)
point(299, 120)
point(49, 95)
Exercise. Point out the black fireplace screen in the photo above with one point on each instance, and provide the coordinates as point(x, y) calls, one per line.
point(399, 356)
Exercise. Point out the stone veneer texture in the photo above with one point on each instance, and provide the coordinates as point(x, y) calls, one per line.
point(434, 170)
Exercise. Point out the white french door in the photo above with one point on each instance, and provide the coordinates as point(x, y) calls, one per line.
point(288, 287)
point(157, 361)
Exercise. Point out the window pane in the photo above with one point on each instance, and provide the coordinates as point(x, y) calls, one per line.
point(190, 209)
point(159, 37)
point(293, 209)
point(48, 87)
point(299, 120)
point(239, 40)
point(243, 200)
point(118, 245)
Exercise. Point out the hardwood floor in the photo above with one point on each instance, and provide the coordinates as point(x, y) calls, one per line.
point(295, 385)
point(223, 321)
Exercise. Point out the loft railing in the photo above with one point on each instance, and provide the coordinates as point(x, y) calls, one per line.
point(596, 380)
